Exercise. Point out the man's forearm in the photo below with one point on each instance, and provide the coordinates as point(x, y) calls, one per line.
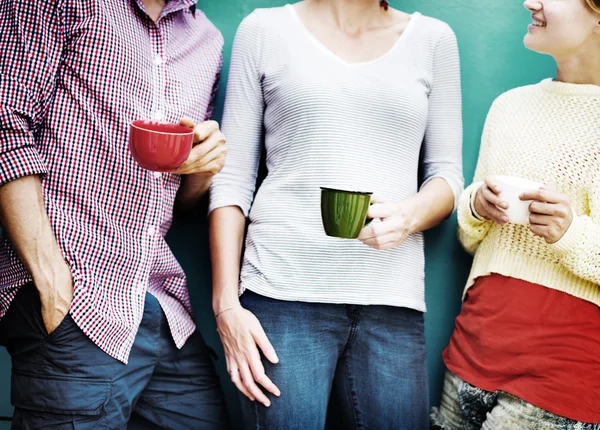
point(192, 189)
point(432, 205)
point(25, 222)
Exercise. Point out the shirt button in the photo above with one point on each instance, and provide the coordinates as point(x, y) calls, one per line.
point(158, 115)
point(158, 60)
point(151, 230)
point(157, 175)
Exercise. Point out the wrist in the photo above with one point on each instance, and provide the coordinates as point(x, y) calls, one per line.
point(475, 211)
point(227, 309)
point(220, 304)
point(193, 187)
point(48, 273)
point(412, 211)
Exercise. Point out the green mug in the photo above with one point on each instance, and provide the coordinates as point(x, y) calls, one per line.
point(344, 213)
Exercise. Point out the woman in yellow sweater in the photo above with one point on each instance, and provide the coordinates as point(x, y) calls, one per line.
point(525, 352)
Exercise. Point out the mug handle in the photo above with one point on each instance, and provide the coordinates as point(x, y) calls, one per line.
point(369, 220)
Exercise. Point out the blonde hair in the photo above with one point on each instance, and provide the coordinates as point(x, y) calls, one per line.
point(594, 5)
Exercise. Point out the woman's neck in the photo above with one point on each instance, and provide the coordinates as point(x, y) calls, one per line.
point(351, 16)
point(583, 68)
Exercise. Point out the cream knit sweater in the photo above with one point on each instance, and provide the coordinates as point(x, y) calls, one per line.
point(549, 133)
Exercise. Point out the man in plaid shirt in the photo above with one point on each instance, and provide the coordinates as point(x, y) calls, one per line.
point(94, 309)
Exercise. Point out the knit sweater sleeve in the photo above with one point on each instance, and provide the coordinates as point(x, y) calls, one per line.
point(471, 228)
point(579, 248)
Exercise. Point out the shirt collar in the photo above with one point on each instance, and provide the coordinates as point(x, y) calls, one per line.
point(174, 6)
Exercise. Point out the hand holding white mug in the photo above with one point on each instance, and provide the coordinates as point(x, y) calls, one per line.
point(499, 199)
point(551, 213)
point(488, 204)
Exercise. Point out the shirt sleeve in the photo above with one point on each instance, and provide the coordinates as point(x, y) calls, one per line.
point(472, 229)
point(242, 121)
point(579, 248)
point(215, 92)
point(442, 152)
point(31, 43)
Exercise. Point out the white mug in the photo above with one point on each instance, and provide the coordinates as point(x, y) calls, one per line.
point(511, 187)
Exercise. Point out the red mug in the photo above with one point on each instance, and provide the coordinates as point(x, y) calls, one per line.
point(158, 146)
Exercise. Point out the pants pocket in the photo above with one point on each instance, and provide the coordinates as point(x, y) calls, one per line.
point(58, 401)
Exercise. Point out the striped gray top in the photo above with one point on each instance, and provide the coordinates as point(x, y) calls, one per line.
point(326, 122)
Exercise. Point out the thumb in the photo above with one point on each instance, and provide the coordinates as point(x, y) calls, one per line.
point(187, 121)
point(378, 198)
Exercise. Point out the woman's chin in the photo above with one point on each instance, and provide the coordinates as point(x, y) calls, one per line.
point(532, 44)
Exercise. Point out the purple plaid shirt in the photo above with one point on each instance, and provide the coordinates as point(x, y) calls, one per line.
point(73, 75)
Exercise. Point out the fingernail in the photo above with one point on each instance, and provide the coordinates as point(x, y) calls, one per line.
point(267, 404)
point(253, 399)
point(505, 220)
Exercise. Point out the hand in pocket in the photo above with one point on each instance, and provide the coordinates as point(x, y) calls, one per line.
point(57, 298)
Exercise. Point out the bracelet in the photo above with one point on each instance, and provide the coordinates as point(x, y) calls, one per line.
point(222, 311)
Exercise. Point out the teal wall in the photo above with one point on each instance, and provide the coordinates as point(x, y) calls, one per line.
point(493, 60)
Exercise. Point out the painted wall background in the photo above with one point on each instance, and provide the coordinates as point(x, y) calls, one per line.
point(493, 60)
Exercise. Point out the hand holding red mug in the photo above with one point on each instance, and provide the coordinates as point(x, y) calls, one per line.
point(184, 148)
point(207, 156)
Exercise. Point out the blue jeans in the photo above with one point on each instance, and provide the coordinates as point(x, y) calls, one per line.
point(64, 381)
point(374, 356)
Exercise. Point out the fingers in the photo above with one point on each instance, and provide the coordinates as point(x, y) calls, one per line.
point(204, 130)
point(544, 195)
point(244, 363)
point(234, 373)
point(384, 235)
point(213, 148)
point(492, 185)
point(491, 197)
point(547, 209)
point(250, 385)
point(490, 209)
point(539, 230)
point(540, 220)
point(374, 230)
point(380, 210)
point(201, 161)
point(258, 373)
point(378, 198)
point(243, 378)
point(187, 121)
point(265, 346)
point(386, 242)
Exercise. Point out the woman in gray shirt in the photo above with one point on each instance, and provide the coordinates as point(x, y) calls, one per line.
point(349, 95)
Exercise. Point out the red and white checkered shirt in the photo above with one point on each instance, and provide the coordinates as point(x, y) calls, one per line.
point(73, 75)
